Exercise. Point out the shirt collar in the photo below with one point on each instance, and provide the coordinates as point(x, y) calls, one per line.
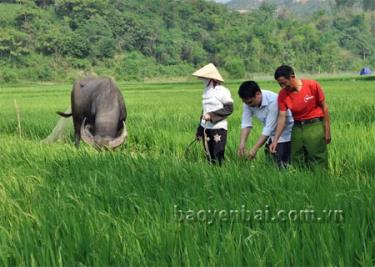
point(265, 100)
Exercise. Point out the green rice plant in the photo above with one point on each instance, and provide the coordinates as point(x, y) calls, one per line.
point(148, 204)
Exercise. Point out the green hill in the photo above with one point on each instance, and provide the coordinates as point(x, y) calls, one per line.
point(137, 39)
point(301, 7)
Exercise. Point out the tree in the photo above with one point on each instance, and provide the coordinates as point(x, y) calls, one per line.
point(13, 44)
point(235, 67)
point(369, 4)
point(345, 3)
point(44, 3)
point(97, 34)
point(79, 11)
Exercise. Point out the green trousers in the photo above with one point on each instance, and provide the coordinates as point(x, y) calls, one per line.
point(309, 146)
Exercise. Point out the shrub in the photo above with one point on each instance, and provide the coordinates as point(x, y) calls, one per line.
point(235, 67)
point(8, 75)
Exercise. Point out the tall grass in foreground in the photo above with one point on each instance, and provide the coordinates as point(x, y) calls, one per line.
point(66, 207)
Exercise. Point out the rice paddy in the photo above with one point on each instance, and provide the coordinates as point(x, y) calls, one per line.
point(153, 203)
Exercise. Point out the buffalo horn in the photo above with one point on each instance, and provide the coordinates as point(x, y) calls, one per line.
point(119, 140)
point(85, 134)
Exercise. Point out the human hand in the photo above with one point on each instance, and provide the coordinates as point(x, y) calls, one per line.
point(241, 150)
point(272, 147)
point(207, 117)
point(252, 154)
point(199, 133)
point(328, 136)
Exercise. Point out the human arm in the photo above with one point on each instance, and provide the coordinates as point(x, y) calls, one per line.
point(246, 125)
point(199, 133)
point(279, 129)
point(243, 139)
point(253, 152)
point(220, 114)
point(327, 123)
point(269, 127)
point(223, 95)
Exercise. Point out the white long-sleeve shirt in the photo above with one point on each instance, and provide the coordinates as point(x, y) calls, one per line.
point(213, 99)
point(267, 113)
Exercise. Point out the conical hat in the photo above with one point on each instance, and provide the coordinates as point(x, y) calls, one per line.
point(210, 72)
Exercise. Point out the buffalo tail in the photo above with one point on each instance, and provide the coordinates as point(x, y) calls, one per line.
point(66, 115)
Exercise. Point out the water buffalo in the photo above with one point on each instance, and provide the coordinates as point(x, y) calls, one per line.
point(99, 113)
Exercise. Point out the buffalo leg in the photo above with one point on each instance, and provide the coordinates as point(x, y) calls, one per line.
point(77, 133)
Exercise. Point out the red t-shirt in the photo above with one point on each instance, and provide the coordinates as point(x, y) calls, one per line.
point(304, 104)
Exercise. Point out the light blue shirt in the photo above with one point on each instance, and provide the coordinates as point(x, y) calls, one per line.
point(267, 113)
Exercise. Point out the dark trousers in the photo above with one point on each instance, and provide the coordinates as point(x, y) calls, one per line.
point(282, 155)
point(214, 145)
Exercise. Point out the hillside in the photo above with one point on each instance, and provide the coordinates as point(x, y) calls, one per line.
point(139, 39)
point(300, 7)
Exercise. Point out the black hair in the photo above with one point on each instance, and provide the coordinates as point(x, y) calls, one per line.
point(284, 71)
point(215, 83)
point(248, 89)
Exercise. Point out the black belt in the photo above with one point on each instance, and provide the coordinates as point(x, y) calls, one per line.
point(304, 122)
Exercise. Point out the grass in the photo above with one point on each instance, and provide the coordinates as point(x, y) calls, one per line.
point(66, 207)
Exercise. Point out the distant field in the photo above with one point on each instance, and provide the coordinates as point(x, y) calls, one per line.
point(148, 202)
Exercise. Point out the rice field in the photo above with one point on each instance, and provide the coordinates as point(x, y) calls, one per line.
point(152, 203)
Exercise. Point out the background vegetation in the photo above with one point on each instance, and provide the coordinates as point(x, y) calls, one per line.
point(138, 39)
point(66, 207)
point(303, 7)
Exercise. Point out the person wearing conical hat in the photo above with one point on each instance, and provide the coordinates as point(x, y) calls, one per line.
point(217, 105)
